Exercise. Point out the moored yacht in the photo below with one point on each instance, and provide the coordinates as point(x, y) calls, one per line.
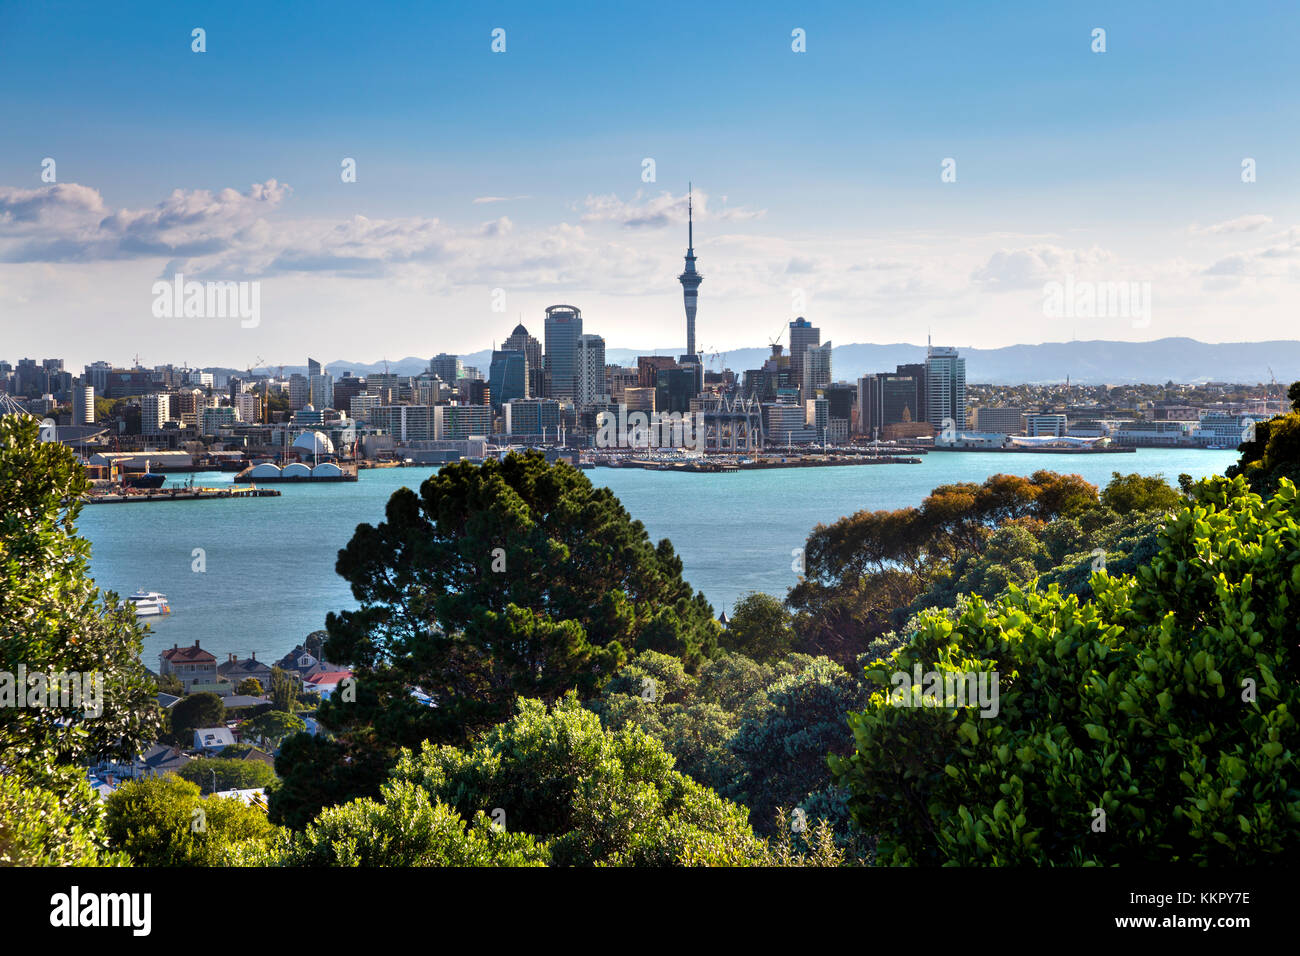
point(148, 603)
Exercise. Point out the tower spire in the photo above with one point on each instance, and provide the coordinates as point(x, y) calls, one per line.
point(690, 279)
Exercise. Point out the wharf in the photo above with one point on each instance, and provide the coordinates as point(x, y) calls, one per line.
point(131, 496)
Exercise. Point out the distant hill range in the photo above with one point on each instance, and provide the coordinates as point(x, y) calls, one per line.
point(1087, 363)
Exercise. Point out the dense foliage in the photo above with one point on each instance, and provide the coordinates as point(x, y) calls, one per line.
point(54, 621)
point(164, 822)
point(1164, 708)
point(497, 581)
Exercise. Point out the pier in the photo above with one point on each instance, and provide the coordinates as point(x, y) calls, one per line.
point(119, 496)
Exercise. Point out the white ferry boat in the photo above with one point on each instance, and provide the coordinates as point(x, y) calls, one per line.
point(148, 603)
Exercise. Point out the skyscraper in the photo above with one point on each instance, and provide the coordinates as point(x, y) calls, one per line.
point(591, 369)
point(690, 279)
point(507, 377)
point(802, 335)
point(563, 329)
point(521, 341)
point(816, 369)
point(446, 367)
point(945, 382)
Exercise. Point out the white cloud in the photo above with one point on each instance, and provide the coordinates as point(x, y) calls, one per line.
point(1230, 226)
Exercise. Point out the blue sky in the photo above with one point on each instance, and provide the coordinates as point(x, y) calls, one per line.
point(817, 173)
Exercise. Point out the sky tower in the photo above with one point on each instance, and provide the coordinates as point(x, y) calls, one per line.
point(690, 279)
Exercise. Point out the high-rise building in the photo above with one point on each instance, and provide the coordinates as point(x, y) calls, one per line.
point(533, 416)
point(345, 388)
point(563, 330)
point(521, 341)
point(249, 407)
point(619, 378)
point(1003, 420)
point(299, 391)
point(890, 398)
point(508, 376)
point(674, 389)
point(816, 369)
point(461, 421)
point(648, 366)
point(155, 409)
point(591, 370)
point(321, 388)
point(83, 405)
point(96, 376)
point(313, 367)
point(446, 367)
point(945, 386)
point(690, 279)
point(803, 334)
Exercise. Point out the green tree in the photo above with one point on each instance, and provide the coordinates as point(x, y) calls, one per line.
point(250, 686)
point(1134, 492)
point(506, 579)
point(273, 726)
point(53, 621)
point(782, 753)
point(170, 684)
point(36, 829)
point(162, 821)
point(405, 828)
point(1273, 453)
point(1167, 703)
point(759, 628)
point(284, 691)
point(204, 709)
point(593, 796)
point(230, 774)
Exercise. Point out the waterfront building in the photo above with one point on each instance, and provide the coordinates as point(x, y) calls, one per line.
point(818, 417)
point(533, 417)
point(787, 424)
point(1006, 420)
point(889, 398)
point(190, 665)
point(1040, 424)
point(563, 330)
point(451, 422)
point(945, 380)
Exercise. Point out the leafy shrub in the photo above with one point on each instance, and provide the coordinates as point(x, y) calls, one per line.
point(1138, 703)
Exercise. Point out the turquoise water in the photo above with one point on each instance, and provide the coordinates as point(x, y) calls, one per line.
point(270, 580)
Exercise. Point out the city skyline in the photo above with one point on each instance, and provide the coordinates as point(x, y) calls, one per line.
point(1100, 170)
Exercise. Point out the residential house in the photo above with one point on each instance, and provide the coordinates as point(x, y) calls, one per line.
point(190, 665)
point(237, 671)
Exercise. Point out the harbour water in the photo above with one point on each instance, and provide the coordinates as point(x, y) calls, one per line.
point(268, 577)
